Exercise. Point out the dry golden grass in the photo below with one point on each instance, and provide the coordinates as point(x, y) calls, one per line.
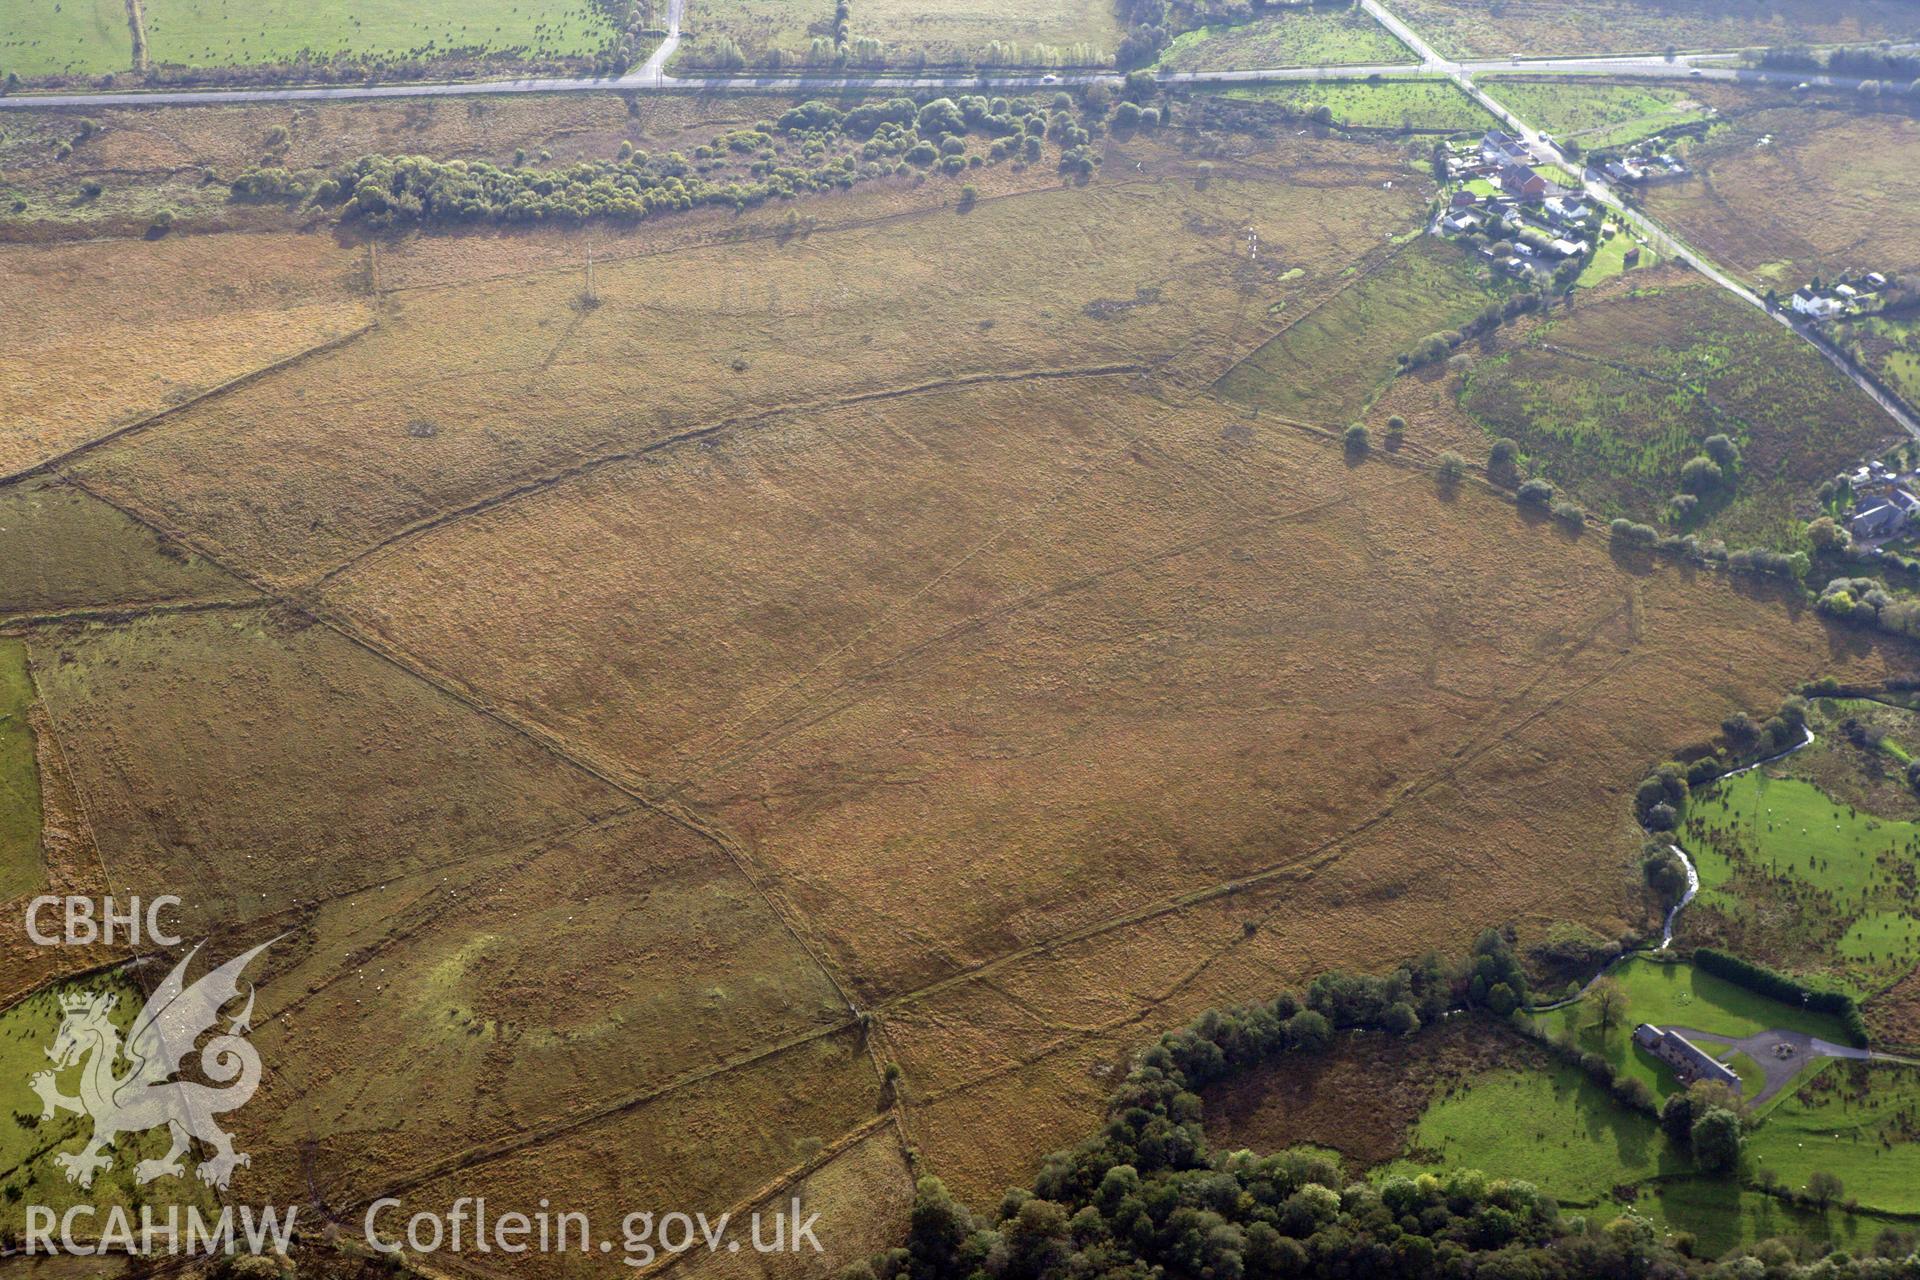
point(294, 475)
point(864, 1195)
point(1055, 702)
point(550, 984)
point(710, 1145)
point(101, 334)
point(1829, 191)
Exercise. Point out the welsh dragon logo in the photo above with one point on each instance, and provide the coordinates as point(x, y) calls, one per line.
point(145, 1096)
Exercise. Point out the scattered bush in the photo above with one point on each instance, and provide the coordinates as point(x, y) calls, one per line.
point(1535, 493)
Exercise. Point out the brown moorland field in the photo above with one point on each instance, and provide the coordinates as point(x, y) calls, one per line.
point(67, 550)
point(870, 647)
point(934, 828)
point(466, 391)
point(1854, 185)
point(103, 334)
point(1496, 28)
point(1361, 1098)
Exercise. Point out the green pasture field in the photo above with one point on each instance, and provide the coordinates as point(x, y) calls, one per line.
point(1610, 260)
point(20, 865)
point(1596, 113)
point(1300, 37)
point(1785, 849)
point(28, 1174)
point(1382, 104)
point(1722, 1214)
point(1327, 366)
point(1551, 1127)
point(213, 33)
point(65, 37)
point(1890, 347)
point(1678, 995)
point(1856, 1121)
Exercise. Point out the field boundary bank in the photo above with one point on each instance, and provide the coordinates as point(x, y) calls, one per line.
point(57, 461)
point(500, 1148)
point(1365, 273)
point(693, 435)
point(137, 27)
point(129, 611)
point(459, 692)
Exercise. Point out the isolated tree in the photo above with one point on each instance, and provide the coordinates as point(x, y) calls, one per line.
point(1718, 1138)
point(1503, 460)
point(1721, 448)
point(1701, 475)
point(1536, 493)
point(1826, 535)
point(1676, 1117)
point(1824, 1188)
point(1357, 439)
point(1609, 1003)
point(1665, 874)
point(1400, 1020)
point(1452, 467)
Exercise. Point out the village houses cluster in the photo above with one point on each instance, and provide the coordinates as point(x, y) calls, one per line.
point(1846, 295)
point(1528, 222)
point(1884, 505)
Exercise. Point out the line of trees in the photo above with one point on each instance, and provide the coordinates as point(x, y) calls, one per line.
point(835, 148)
point(1777, 986)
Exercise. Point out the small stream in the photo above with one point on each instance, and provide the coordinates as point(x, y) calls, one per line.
point(1693, 873)
point(1693, 887)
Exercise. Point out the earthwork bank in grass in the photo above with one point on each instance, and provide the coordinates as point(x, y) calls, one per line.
point(1328, 363)
point(298, 474)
